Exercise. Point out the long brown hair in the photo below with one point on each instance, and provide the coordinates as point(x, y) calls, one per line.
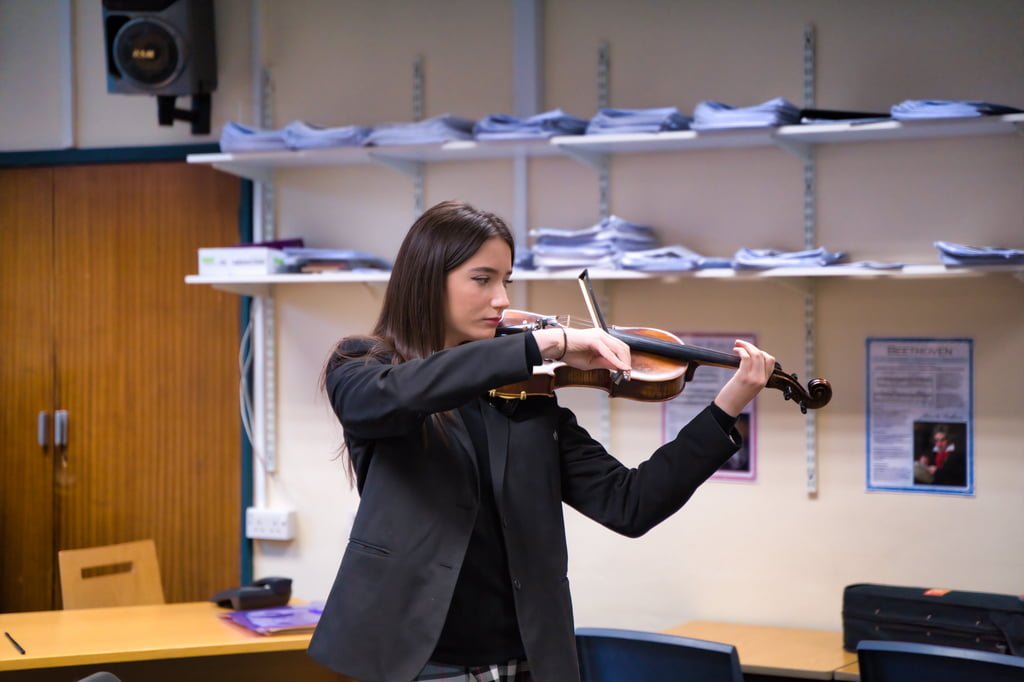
point(412, 318)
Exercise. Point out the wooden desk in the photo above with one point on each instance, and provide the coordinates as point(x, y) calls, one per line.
point(849, 673)
point(151, 642)
point(776, 651)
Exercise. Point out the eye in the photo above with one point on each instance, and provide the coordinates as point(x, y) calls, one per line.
point(482, 280)
point(508, 283)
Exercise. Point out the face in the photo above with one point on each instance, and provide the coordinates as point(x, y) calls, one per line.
point(475, 294)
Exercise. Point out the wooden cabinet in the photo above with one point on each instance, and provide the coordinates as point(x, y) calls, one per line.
point(94, 321)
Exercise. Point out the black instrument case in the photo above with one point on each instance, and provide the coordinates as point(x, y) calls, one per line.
point(971, 620)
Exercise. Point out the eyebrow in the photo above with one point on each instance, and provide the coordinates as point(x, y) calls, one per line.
point(489, 270)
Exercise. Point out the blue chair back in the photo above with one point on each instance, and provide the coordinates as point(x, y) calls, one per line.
point(903, 661)
point(610, 655)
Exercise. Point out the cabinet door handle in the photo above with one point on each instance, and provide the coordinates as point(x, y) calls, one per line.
point(60, 428)
point(42, 429)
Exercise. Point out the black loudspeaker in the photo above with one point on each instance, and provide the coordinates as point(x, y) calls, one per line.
point(164, 48)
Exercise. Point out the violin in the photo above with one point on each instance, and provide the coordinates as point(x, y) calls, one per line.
point(661, 366)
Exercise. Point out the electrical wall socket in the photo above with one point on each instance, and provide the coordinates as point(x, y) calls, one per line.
point(270, 523)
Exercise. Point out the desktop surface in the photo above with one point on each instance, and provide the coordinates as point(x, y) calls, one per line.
point(130, 633)
point(776, 651)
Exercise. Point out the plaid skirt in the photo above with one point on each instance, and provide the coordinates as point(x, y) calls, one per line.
point(513, 671)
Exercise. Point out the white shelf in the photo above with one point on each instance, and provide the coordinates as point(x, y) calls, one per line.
point(906, 130)
point(259, 165)
point(796, 138)
point(592, 149)
point(261, 285)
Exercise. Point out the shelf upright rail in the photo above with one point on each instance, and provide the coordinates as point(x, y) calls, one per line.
point(527, 94)
point(604, 210)
point(810, 237)
point(603, 102)
point(418, 85)
point(264, 427)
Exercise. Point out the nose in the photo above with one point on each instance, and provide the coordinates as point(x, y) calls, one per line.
point(500, 299)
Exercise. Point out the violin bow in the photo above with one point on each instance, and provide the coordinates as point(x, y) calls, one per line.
point(596, 316)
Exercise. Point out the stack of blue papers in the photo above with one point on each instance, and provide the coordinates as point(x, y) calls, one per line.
point(443, 128)
point(608, 121)
point(675, 258)
point(771, 258)
point(279, 620)
point(962, 254)
point(539, 126)
point(235, 137)
point(301, 135)
point(710, 115)
point(599, 245)
point(917, 109)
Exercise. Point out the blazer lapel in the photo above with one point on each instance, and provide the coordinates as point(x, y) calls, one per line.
point(496, 425)
point(459, 431)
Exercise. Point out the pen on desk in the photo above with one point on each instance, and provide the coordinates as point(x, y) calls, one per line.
point(16, 645)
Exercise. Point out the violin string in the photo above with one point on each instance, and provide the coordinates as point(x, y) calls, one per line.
point(574, 322)
point(581, 323)
point(577, 323)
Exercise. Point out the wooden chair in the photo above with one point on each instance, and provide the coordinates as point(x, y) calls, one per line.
point(611, 655)
point(127, 574)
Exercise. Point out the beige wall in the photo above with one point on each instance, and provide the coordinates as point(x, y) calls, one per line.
point(757, 552)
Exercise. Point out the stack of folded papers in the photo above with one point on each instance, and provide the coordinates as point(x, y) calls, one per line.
point(597, 246)
point(279, 620)
point(540, 126)
point(608, 121)
point(962, 254)
point(710, 115)
point(917, 109)
point(443, 128)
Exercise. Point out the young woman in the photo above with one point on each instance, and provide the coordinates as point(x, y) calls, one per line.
point(456, 565)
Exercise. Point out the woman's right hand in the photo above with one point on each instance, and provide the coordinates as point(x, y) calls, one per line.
point(583, 348)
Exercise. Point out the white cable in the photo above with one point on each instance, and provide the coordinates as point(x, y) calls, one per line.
point(244, 401)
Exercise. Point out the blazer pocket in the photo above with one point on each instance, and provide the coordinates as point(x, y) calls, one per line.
point(368, 547)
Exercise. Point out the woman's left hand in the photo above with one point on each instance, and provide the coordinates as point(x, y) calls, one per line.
point(755, 369)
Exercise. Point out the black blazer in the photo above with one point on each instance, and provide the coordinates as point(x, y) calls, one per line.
point(419, 498)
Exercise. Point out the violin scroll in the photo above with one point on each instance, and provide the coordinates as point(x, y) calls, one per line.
point(817, 394)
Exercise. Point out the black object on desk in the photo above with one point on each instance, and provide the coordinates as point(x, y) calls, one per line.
point(262, 594)
point(15, 643)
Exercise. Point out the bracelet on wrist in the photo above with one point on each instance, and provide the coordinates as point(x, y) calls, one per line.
point(565, 344)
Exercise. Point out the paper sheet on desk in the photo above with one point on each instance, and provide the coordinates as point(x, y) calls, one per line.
point(280, 620)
